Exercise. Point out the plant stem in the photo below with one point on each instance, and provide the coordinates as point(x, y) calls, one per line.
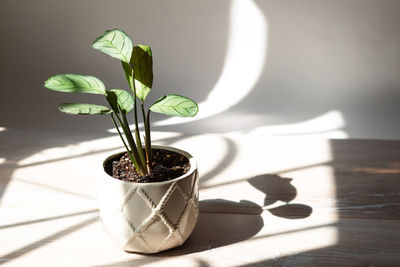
point(123, 141)
point(128, 134)
point(147, 156)
point(138, 142)
point(147, 140)
point(137, 133)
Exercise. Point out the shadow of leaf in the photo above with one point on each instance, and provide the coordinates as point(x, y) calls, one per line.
point(274, 187)
point(278, 188)
point(292, 211)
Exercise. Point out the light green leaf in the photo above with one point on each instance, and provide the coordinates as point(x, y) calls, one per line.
point(73, 83)
point(175, 105)
point(115, 43)
point(142, 63)
point(120, 100)
point(83, 109)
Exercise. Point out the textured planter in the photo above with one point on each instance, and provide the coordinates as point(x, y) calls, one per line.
point(149, 217)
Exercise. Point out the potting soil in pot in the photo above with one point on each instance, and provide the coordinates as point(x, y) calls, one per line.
point(166, 165)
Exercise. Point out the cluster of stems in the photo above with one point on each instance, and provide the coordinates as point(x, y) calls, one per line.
point(141, 158)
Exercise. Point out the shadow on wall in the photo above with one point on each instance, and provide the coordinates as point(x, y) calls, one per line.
point(188, 57)
point(314, 67)
point(317, 57)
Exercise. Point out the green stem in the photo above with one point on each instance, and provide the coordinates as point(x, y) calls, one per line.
point(148, 138)
point(147, 156)
point(137, 133)
point(123, 141)
point(138, 142)
point(128, 134)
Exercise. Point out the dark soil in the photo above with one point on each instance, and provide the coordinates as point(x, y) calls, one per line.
point(167, 165)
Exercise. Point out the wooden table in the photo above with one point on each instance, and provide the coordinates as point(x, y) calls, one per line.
point(265, 201)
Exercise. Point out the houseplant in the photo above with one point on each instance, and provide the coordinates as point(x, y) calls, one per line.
point(149, 196)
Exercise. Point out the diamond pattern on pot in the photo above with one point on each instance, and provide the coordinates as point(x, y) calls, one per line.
point(156, 232)
point(186, 185)
point(186, 225)
point(152, 194)
point(173, 213)
point(135, 210)
point(155, 218)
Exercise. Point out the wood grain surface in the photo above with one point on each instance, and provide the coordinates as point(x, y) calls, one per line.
point(265, 201)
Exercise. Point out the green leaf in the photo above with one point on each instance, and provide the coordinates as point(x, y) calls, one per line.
point(120, 100)
point(83, 109)
point(128, 73)
point(115, 43)
point(175, 105)
point(73, 83)
point(142, 63)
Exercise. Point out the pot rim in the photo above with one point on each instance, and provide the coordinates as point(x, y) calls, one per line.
point(192, 161)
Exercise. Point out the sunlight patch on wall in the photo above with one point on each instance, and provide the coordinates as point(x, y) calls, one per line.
point(244, 62)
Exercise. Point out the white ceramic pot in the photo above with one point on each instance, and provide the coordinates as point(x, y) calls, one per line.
point(150, 217)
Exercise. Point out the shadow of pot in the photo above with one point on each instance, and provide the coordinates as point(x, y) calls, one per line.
point(221, 223)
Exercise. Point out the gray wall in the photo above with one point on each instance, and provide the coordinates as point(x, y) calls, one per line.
point(320, 56)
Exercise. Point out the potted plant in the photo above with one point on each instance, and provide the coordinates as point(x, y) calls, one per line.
point(149, 196)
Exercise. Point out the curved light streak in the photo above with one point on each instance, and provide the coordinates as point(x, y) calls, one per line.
point(244, 62)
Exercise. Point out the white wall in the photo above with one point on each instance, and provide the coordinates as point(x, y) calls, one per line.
point(310, 66)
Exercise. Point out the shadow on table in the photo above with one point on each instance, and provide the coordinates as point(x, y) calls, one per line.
point(367, 206)
point(278, 188)
point(221, 223)
point(225, 222)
